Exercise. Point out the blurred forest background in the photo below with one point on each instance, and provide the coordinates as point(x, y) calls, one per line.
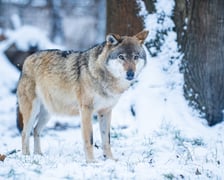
point(78, 25)
point(66, 22)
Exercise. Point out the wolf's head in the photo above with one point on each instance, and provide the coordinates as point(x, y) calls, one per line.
point(126, 56)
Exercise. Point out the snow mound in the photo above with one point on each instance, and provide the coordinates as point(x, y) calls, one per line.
point(27, 36)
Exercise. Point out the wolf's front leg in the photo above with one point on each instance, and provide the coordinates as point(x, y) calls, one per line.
point(87, 133)
point(105, 120)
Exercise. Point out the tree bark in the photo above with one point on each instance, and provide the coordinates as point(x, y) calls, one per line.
point(123, 18)
point(203, 45)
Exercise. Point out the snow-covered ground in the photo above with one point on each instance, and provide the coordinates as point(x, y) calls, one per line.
point(164, 140)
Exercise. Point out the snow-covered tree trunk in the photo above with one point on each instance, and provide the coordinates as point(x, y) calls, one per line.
point(200, 27)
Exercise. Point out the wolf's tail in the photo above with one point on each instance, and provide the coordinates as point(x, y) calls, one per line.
point(19, 119)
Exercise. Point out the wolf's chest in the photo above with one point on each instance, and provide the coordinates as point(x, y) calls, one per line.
point(101, 103)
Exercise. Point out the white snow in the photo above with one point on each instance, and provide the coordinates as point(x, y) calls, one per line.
point(165, 140)
point(29, 36)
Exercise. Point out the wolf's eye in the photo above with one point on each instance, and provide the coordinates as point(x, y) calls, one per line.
point(121, 57)
point(136, 57)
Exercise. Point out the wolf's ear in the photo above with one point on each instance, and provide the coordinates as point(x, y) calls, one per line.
point(113, 39)
point(141, 36)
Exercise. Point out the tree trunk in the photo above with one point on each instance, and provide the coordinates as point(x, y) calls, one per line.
point(57, 32)
point(123, 18)
point(1, 15)
point(203, 45)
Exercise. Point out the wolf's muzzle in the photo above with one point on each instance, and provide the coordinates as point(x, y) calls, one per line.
point(130, 75)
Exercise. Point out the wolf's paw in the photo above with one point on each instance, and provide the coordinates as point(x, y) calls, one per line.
point(92, 160)
point(38, 153)
point(110, 157)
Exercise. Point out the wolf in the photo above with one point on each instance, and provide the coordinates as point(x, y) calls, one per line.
point(70, 83)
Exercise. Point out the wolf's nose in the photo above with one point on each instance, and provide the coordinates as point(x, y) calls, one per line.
point(130, 75)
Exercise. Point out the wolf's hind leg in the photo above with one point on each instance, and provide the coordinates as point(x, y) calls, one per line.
point(42, 119)
point(29, 117)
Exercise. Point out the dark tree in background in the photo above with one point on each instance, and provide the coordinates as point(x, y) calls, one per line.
point(200, 28)
point(57, 33)
point(1, 10)
point(123, 18)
